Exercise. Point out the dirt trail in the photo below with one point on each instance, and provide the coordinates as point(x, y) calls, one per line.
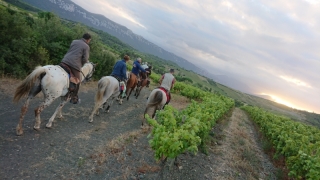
point(115, 147)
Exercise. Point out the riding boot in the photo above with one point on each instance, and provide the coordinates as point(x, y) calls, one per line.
point(148, 82)
point(72, 86)
point(74, 94)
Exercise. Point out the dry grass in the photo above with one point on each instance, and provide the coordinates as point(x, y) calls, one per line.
point(179, 102)
point(239, 156)
point(8, 85)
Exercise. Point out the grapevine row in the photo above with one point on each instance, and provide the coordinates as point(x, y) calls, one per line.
point(175, 132)
point(297, 142)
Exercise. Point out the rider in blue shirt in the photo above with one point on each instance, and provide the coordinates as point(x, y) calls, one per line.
point(120, 69)
point(136, 68)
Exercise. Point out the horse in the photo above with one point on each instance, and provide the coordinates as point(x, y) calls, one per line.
point(53, 81)
point(108, 90)
point(141, 85)
point(156, 100)
point(131, 84)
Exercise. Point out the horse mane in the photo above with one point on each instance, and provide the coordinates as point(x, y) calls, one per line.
point(86, 68)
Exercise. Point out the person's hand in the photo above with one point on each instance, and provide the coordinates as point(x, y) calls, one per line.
point(147, 72)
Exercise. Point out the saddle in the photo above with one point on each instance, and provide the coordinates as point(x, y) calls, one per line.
point(166, 92)
point(72, 78)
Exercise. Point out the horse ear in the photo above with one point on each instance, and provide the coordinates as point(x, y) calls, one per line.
point(95, 64)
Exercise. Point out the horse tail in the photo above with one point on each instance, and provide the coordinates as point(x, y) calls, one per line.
point(157, 99)
point(102, 84)
point(26, 85)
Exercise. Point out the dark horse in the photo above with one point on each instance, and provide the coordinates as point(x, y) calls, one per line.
point(131, 84)
point(141, 84)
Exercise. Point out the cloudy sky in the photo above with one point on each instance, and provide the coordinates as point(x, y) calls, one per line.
point(271, 46)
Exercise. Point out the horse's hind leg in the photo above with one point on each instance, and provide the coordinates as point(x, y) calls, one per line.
point(63, 102)
point(39, 109)
point(138, 92)
point(95, 110)
point(131, 89)
point(24, 108)
point(144, 116)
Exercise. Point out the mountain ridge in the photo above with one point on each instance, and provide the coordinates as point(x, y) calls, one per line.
point(69, 10)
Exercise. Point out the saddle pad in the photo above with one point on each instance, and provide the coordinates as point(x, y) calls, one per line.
point(166, 92)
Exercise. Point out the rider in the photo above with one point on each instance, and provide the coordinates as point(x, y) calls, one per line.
point(120, 69)
point(167, 82)
point(136, 68)
point(74, 59)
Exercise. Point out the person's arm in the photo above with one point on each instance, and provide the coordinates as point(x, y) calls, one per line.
point(173, 81)
point(140, 68)
point(124, 71)
point(160, 81)
point(85, 56)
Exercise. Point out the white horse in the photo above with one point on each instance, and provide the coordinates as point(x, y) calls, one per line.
point(53, 81)
point(108, 90)
point(156, 100)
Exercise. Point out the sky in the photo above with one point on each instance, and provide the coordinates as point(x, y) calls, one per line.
point(272, 46)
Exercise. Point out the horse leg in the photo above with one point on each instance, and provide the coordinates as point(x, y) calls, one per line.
point(39, 109)
point(154, 112)
point(24, 108)
point(95, 110)
point(128, 92)
point(138, 93)
point(131, 89)
point(58, 110)
point(144, 116)
point(66, 99)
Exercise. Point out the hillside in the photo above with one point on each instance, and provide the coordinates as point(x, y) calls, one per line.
point(115, 48)
point(68, 10)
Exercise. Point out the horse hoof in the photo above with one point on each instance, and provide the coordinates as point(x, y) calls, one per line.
point(49, 127)
point(19, 132)
point(37, 129)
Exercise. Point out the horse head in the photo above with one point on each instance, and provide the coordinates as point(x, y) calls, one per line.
point(87, 70)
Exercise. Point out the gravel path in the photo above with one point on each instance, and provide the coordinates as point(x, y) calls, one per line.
point(114, 146)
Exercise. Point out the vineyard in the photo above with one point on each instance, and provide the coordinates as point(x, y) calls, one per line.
point(298, 143)
point(175, 132)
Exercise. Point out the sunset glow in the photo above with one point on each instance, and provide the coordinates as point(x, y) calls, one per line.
point(283, 101)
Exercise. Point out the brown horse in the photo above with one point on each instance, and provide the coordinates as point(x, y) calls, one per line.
point(131, 84)
point(142, 84)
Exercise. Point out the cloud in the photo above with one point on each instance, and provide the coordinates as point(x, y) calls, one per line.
point(295, 81)
point(272, 46)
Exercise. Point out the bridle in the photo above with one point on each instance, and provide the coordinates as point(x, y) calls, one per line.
point(89, 75)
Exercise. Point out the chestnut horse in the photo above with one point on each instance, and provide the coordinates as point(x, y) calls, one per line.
point(131, 84)
point(142, 84)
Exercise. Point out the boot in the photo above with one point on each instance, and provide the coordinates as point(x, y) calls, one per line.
point(74, 94)
point(72, 87)
point(148, 82)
